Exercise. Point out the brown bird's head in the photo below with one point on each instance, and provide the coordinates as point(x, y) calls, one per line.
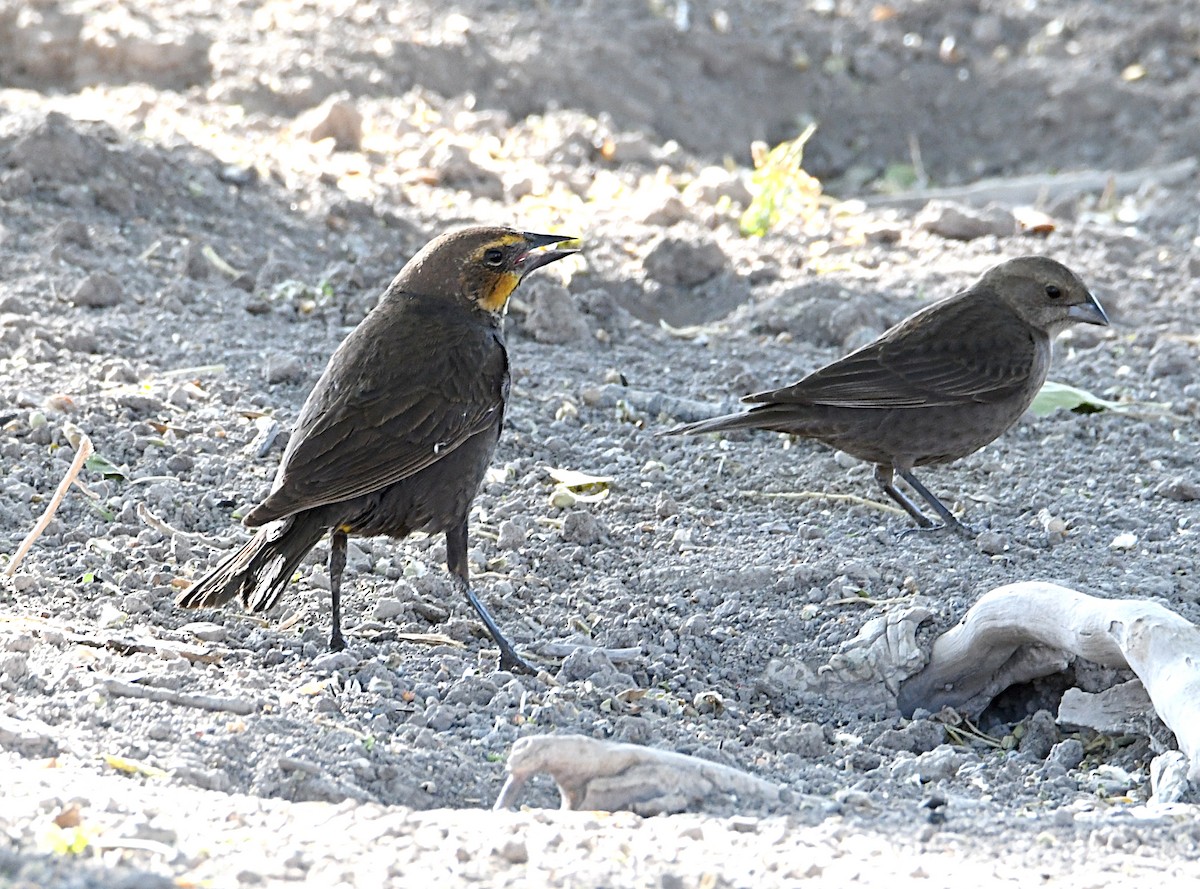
point(1044, 293)
point(482, 265)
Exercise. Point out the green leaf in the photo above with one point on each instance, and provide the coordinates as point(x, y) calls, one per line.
point(96, 463)
point(1054, 396)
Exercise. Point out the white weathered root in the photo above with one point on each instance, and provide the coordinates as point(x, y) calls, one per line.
point(608, 776)
point(1020, 631)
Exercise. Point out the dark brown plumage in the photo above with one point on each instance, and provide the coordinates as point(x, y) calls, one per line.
point(398, 432)
point(939, 385)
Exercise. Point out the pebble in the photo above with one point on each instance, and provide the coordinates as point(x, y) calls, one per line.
point(1180, 489)
point(580, 526)
point(1041, 734)
point(335, 119)
point(99, 290)
point(333, 661)
point(387, 608)
point(283, 369)
point(510, 535)
point(991, 543)
point(205, 631)
point(962, 223)
point(685, 262)
point(917, 737)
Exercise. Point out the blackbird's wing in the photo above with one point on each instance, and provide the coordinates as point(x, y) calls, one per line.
point(970, 348)
point(398, 395)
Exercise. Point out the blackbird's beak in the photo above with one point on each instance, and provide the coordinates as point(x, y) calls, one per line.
point(1089, 312)
point(528, 261)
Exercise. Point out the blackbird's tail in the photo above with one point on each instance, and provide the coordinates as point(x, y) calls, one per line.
point(258, 572)
point(763, 416)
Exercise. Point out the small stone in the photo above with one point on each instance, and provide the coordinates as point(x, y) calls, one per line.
point(192, 262)
point(136, 603)
point(72, 231)
point(332, 661)
point(1123, 542)
point(1041, 734)
point(283, 369)
point(991, 543)
point(335, 119)
point(580, 526)
point(99, 290)
point(961, 223)
point(918, 736)
point(1068, 754)
point(205, 631)
point(940, 764)
point(1179, 488)
point(14, 665)
point(665, 506)
point(685, 262)
point(510, 535)
point(388, 608)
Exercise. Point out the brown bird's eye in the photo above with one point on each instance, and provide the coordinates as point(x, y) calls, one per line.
point(1053, 291)
point(494, 257)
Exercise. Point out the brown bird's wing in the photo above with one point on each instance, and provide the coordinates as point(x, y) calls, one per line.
point(399, 394)
point(969, 348)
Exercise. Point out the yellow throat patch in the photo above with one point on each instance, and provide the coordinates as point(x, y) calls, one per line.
point(506, 283)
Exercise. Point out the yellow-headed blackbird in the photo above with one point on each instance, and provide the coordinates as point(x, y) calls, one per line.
point(939, 385)
point(397, 434)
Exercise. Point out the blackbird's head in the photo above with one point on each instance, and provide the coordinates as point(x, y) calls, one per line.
point(1044, 293)
point(483, 265)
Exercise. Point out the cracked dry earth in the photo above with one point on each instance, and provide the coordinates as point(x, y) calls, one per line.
point(188, 228)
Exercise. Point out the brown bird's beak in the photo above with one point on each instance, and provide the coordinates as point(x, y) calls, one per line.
point(1089, 312)
point(528, 261)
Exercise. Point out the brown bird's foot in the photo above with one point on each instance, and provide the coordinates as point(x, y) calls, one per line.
point(965, 530)
point(509, 659)
point(883, 475)
point(949, 520)
point(337, 642)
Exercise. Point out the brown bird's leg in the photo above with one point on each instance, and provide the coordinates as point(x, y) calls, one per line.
point(883, 475)
point(456, 562)
point(940, 508)
point(337, 563)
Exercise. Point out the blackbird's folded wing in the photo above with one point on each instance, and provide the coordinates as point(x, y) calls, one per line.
point(969, 349)
point(383, 419)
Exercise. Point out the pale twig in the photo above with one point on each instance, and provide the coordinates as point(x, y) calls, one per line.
point(82, 452)
point(144, 513)
point(823, 495)
point(240, 706)
point(563, 649)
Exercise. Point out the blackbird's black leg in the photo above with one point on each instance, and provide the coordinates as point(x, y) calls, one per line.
point(456, 562)
point(883, 475)
point(940, 508)
point(337, 562)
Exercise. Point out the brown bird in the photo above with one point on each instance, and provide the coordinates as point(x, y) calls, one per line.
point(398, 432)
point(939, 385)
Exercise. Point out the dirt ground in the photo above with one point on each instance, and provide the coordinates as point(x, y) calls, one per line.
point(191, 220)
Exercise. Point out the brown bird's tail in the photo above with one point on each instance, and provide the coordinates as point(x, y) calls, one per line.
point(764, 416)
point(258, 572)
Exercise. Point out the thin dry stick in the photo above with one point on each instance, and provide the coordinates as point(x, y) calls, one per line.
point(822, 495)
point(81, 454)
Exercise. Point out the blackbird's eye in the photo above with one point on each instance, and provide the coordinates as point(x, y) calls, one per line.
point(1053, 291)
point(494, 257)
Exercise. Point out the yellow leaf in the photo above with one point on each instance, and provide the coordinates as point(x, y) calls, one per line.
point(573, 479)
point(133, 766)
